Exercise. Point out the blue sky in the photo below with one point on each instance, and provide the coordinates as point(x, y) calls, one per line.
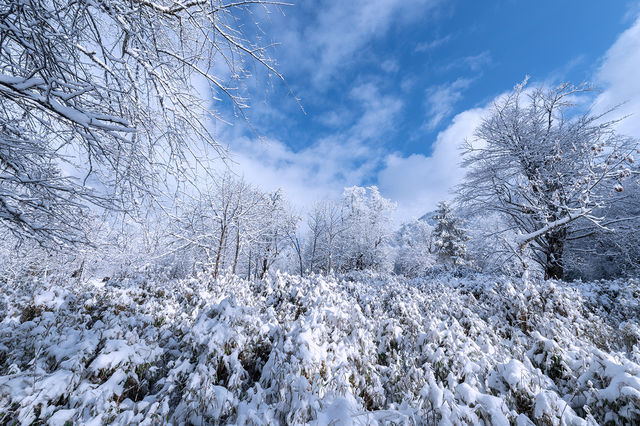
point(390, 88)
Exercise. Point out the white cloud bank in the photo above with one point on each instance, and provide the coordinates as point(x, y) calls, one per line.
point(419, 182)
point(416, 182)
point(321, 170)
point(618, 76)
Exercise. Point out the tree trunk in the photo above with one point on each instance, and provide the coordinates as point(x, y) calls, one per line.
point(300, 263)
point(249, 266)
point(265, 267)
point(235, 257)
point(313, 254)
point(219, 254)
point(554, 267)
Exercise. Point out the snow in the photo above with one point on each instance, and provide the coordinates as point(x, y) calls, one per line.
point(49, 299)
point(61, 417)
point(364, 348)
point(339, 412)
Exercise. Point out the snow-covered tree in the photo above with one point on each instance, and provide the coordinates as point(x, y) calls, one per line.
point(276, 225)
point(214, 224)
point(611, 248)
point(491, 244)
point(366, 228)
point(413, 248)
point(543, 167)
point(297, 240)
point(101, 101)
point(325, 225)
point(316, 223)
point(449, 236)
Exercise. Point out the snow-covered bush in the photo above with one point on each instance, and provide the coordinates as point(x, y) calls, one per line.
point(366, 347)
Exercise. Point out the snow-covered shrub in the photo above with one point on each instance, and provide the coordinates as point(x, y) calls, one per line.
point(366, 347)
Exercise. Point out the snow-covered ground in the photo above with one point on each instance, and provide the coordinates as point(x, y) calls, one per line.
point(361, 349)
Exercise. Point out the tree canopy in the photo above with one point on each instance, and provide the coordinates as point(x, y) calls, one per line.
point(543, 164)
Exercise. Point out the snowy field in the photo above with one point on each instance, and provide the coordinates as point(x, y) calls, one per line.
point(362, 349)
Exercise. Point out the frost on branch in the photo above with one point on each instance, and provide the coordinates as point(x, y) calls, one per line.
point(100, 102)
point(543, 167)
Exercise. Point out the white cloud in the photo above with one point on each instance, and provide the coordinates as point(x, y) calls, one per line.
point(430, 45)
point(618, 75)
point(335, 118)
point(378, 112)
point(323, 169)
point(418, 182)
point(390, 66)
point(328, 42)
point(345, 27)
point(477, 62)
point(442, 99)
point(472, 62)
point(306, 176)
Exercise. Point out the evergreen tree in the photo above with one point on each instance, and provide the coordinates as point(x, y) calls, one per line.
point(449, 236)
